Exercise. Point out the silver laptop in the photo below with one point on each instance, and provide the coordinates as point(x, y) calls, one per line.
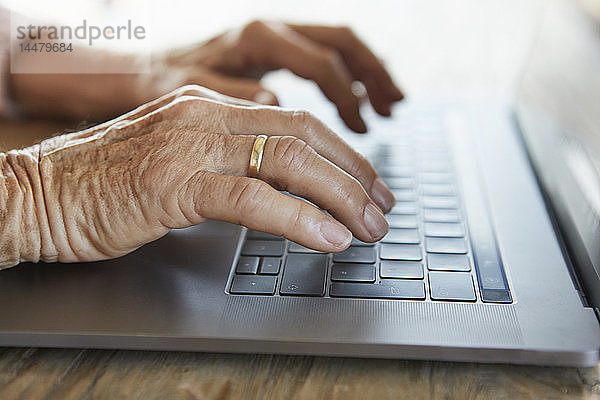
point(493, 253)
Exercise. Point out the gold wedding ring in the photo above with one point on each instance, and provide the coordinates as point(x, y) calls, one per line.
point(256, 156)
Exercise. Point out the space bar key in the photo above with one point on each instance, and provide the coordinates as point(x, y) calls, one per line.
point(388, 289)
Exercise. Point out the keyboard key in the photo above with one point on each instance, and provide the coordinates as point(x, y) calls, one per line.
point(428, 156)
point(437, 189)
point(304, 275)
point(405, 195)
point(452, 286)
point(388, 289)
point(257, 235)
point(297, 248)
point(436, 177)
point(409, 236)
point(402, 158)
point(404, 207)
point(401, 269)
point(353, 272)
point(448, 262)
point(356, 242)
point(397, 171)
point(393, 251)
point(428, 125)
point(493, 286)
point(267, 248)
point(270, 265)
point(355, 255)
point(253, 284)
point(400, 183)
point(402, 221)
point(444, 229)
point(435, 166)
point(446, 245)
point(440, 202)
point(440, 215)
point(247, 265)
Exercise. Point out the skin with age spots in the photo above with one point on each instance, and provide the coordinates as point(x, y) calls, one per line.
point(172, 163)
point(175, 161)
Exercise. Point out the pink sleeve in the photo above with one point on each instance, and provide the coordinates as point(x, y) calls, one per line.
point(6, 106)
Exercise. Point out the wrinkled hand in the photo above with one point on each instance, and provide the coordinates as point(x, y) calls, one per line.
point(184, 158)
point(233, 62)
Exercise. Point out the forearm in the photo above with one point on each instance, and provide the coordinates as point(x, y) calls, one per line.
point(24, 228)
point(93, 96)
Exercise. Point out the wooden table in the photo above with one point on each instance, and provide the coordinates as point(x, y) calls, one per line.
point(104, 374)
point(30, 373)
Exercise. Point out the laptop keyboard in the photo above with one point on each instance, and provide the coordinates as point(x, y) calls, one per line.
point(429, 254)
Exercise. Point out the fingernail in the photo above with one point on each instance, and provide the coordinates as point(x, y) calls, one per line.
point(385, 110)
point(336, 234)
point(375, 222)
point(360, 124)
point(382, 195)
point(265, 98)
point(397, 93)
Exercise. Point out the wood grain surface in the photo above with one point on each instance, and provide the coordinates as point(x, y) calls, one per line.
point(465, 59)
point(104, 374)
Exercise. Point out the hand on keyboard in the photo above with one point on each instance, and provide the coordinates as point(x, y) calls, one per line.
point(184, 158)
point(429, 253)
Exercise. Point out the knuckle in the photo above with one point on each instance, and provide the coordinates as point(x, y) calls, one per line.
point(292, 153)
point(356, 166)
point(192, 106)
point(306, 125)
point(330, 59)
point(255, 28)
point(202, 184)
point(302, 118)
point(193, 90)
point(349, 102)
point(360, 167)
point(296, 221)
point(246, 197)
point(355, 194)
point(310, 127)
point(117, 127)
point(346, 33)
point(183, 102)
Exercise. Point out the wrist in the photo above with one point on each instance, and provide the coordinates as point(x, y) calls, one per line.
point(24, 228)
point(83, 96)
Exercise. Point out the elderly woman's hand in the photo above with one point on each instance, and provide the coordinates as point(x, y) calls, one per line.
point(233, 62)
point(172, 163)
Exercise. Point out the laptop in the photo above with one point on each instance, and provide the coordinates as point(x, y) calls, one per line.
point(493, 253)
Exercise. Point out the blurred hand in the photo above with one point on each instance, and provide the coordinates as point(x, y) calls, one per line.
point(233, 62)
point(183, 158)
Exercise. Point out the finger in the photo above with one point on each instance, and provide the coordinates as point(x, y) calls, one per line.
point(274, 46)
point(356, 51)
point(302, 124)
point(241, 88)
point(363, 64)
point(273, 121)
point(256, 205)
point(290, 164)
